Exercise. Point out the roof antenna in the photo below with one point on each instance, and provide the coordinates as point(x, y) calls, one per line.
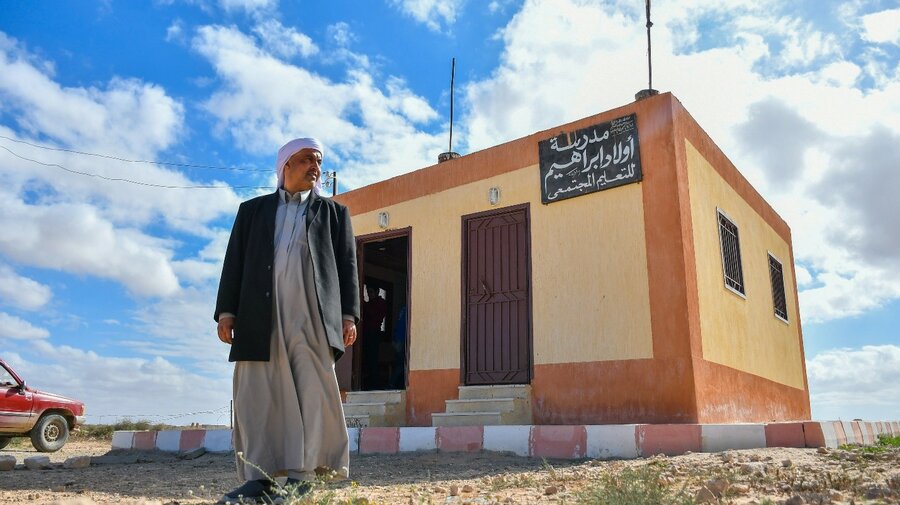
point(449, 155)
point(646, 93)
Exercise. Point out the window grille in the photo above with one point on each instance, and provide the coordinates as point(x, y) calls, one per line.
point(731, 254)
point(777, 276)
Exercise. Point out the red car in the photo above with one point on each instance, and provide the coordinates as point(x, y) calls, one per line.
point(26, 412)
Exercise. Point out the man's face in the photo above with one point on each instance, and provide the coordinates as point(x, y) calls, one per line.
point(302, 170)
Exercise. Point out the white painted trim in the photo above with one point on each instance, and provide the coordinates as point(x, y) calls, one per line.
point(168, 440)
point(513, 439)
point(418, 439)
point(613, 441)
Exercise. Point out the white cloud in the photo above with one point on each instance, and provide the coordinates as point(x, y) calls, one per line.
point(840, 74)
point(282, 41)
point(128, 117)
point(341, 34)
point(15, 328)
point(22, 292)
point(800, 42)
point(181, 326)
point(175, 31)
point(435, 14)
point(882, 27)
point(855, 383)
point(369, 132)
point(75, 238)
point(498, 6)
point(84, 225)
point(112, 387)
point(250, 6)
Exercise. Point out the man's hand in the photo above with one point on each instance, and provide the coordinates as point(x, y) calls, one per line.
point(226, 329)
point(349, 333)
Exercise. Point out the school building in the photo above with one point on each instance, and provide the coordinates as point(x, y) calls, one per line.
point(616, 269)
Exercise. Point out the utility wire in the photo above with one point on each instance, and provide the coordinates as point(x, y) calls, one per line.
point(163, 417)
point(109, 157)
point(130, 181)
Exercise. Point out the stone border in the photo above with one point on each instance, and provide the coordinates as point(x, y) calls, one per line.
point(619, 441)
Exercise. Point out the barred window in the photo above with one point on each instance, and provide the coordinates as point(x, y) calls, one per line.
point(731, 254)
point(777, 276)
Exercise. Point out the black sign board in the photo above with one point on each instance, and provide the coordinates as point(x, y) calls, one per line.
point(592, 159)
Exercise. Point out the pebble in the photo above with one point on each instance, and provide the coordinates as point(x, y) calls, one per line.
point(754, 457)
point(37, 462)
point(822, 450)
point(787, 463)
point(740, 489)
point(454, 490)
point(750, 468)
point(7, 463)
point(468, 489)
point(704, 495)
point(836, 496)
point(439, 489)
point(717, 486)
point(550, 490)
point(77, 462)
point(795, 500)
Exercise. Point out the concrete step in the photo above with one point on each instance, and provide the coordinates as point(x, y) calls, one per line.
point(371, 409)
point(484, 405)
point(465, 419)
point(387, 396)
point(376, 409)
point(501, 391)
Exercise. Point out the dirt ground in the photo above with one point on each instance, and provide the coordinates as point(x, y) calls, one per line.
point(792, 476)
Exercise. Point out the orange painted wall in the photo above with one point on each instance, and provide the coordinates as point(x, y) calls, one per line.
point(614, 392)
point(427, 392)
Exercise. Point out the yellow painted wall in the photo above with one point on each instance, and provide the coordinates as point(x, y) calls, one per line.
point(589, 270)
point(742, 333)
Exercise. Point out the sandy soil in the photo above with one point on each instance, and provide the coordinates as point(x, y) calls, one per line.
point(791, 476)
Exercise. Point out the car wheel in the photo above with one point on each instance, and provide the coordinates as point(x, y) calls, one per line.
point(4, 441)
point(50, 433)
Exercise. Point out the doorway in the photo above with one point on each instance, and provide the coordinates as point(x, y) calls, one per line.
point(380, 357)
point(496, 304)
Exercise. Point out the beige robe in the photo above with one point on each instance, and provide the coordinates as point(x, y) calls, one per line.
point(288, 413)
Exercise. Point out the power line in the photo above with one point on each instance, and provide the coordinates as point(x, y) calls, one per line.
point(163, 417)
point(116, 158)
point(130, 181)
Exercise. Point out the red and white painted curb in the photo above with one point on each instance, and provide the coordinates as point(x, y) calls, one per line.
point(619, 441)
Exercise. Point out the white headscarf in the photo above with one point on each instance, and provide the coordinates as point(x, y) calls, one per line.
point(291, 148)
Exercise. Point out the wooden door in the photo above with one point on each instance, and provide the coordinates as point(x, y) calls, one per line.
point(496, 305)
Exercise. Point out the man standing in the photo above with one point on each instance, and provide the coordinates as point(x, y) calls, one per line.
point(288, 304)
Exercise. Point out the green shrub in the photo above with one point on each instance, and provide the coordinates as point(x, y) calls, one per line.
point(641, 486)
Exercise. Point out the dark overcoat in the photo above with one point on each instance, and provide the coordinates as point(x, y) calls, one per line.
point(245, 288)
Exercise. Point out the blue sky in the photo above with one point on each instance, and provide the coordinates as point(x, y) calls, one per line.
point(107, 288)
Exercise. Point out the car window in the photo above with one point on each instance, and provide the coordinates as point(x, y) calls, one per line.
point(6, 379)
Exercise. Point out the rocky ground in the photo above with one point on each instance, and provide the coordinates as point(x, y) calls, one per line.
point(791, 476)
